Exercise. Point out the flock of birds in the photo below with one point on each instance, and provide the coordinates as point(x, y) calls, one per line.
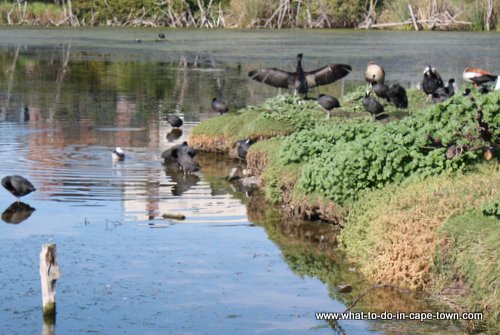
point(181, 156)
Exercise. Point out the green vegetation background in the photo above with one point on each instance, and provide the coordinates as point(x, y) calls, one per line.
point(480, 14)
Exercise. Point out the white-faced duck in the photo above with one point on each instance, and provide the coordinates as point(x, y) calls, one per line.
point(372, 106)
point(219, 106)
point(301, 81)
point(174, 120)
point(397, 95)
point(432, 80)
point(18, 186)
point(478, 76)
point(375, 73)
point(118, 154)
point(328, 103)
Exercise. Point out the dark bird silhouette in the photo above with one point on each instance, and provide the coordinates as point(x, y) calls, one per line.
point(168, 155)
point(18, 186)
point(185, 161)
point(372, 106)
point(161, 35)
point(328, 103)
point(443, 93)
point(17, 212)
point(174, 120)
point(182, 154)
point(243, 146)
point(397, 95)
point(478, 76)
point(118, 154)
point(432, 80)
point(375, 73)
point(380, 90)
point(219, 106)
point(300, 80)
point(484, 89)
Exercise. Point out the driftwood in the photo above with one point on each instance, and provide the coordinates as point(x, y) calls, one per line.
point(173, 216)
point(441, 20)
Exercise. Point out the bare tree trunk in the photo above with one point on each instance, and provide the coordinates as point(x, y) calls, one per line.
point(489, 15)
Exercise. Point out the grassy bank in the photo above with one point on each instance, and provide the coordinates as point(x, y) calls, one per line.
point(404, 189)
point(432, 235)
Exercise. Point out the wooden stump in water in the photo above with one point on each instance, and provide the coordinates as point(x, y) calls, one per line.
point(49, 274)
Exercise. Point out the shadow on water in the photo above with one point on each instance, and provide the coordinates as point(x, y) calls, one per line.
point(310, 250)
point(183, 182)
point(17, 212)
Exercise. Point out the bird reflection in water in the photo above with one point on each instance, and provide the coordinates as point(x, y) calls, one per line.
point(17, 212)
point(174, 134)
point(183, 182)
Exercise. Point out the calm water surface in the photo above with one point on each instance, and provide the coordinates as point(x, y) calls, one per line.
point(67, 97)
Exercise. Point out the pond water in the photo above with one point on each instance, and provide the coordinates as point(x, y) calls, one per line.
point(69, 96)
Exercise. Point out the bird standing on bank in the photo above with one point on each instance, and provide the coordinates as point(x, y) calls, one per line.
point(243, 146)
point(380, 90)
point(301, 81)
point(18, 186)
point(443, 93)
point(397, 95)
point(432, 80)
point(478, 76)
point(219, 106)
point(372, 106)
point(374, 73)
point(328, 103)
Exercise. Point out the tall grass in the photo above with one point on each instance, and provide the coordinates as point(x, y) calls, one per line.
point(34, 13)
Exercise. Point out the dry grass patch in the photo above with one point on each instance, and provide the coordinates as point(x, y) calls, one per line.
point(393, 232)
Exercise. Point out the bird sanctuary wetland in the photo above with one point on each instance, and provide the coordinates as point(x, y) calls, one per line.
point(249, 181)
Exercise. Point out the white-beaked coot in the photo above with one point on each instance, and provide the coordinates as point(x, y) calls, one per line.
point(328, 103)
point(118, 154)
point(219, 106)
point(443, 93)
point(174, 120)
point(243, 146)
point(432, 80)
point(18, 186)
point(372, 106)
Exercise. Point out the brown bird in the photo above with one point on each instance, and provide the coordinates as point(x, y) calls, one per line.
point(375, 73)
point(301, 81)
point(478, 76)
